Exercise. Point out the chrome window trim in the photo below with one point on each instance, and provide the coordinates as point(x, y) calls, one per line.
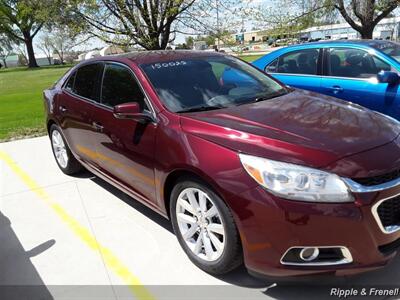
point(324, 76)
point(359, 188)
point(294, 74)
point(347, 257)
point(374, 210)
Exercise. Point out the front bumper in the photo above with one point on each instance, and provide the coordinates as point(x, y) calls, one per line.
point(269, 226)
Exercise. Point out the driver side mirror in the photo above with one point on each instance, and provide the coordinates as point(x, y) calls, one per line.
point(132, 111)
point(388, 77)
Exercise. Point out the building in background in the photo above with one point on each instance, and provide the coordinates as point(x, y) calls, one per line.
point(92, 54)
point(200, 45)
point(110, 50)
point(12, 61)
point(42, 60)
point(387, 29)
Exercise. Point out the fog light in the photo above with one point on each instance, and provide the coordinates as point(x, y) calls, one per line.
point(309, 254)
point(317, 256)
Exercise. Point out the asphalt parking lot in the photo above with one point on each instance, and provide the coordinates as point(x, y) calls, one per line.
point(72, 235)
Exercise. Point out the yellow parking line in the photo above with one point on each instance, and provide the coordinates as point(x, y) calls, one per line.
point(80, 231)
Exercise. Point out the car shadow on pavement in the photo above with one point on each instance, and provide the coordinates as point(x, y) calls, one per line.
point(238, 277)
point(143, 209)
point(18, 277)
point(314, 287)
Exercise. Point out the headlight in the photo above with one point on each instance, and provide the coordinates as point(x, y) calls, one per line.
point(296, 182)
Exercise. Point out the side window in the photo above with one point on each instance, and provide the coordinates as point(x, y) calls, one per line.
point(120, 86)
point(381, 65)
point(297, 62)
point(354, 63)
point(86, 81)
point(272, 67)
point(69, 86)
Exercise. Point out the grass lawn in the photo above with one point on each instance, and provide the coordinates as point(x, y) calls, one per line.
point(21, 104)
point(249, 58)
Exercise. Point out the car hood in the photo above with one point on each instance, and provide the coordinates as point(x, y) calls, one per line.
point(301, 127)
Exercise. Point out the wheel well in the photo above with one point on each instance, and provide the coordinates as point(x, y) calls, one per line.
point(49, 123)
point(172, 179)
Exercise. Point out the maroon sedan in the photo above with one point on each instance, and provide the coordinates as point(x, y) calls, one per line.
point(287, 181)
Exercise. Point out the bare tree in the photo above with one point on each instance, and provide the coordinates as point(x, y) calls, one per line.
point(61, 41)
point(361, 15)
point(46, 46)
point(22, 54)
point(216, 18)
point(364, 15)
point(149, 24)
point(6, 48)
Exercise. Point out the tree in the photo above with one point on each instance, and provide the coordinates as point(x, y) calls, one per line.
point(23, 19)
point(149, 24)
point(22, 55)
point(45, 45)
point(6, 49)
point(189, 41)
point(288, 17)
point(215, 18)
point(364, 15)
point(60, 41)
point(64, 40)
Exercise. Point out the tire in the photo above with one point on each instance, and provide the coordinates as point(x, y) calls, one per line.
point(219, 262)
point(68, 164)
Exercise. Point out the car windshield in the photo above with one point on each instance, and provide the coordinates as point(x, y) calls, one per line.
point(196, 84)
point(389, 48)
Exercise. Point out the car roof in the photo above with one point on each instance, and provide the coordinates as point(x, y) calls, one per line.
point(154, 56)
point(370, 43)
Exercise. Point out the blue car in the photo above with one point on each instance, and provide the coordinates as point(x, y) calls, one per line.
point(365, 72)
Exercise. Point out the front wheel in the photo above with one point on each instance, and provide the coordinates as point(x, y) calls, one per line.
point(205, 227)
point(63, 155)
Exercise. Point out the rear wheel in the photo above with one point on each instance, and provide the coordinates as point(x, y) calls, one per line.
point(63, 155)
point(205, 227)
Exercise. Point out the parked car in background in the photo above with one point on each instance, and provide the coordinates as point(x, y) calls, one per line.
point(284, 180)
point(361, 71)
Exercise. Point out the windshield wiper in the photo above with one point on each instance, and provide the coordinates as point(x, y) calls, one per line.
point(264, 97)
point(199, 108)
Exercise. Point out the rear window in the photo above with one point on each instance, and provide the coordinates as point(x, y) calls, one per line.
point(86, 81)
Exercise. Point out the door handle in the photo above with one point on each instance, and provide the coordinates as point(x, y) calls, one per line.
point(62, 108)
point(336, 89)
point(98, 126)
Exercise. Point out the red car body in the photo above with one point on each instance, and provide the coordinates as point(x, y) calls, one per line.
point(302, 128)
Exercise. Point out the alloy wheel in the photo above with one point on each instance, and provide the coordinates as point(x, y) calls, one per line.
point(200, 224)
point(60, 151)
